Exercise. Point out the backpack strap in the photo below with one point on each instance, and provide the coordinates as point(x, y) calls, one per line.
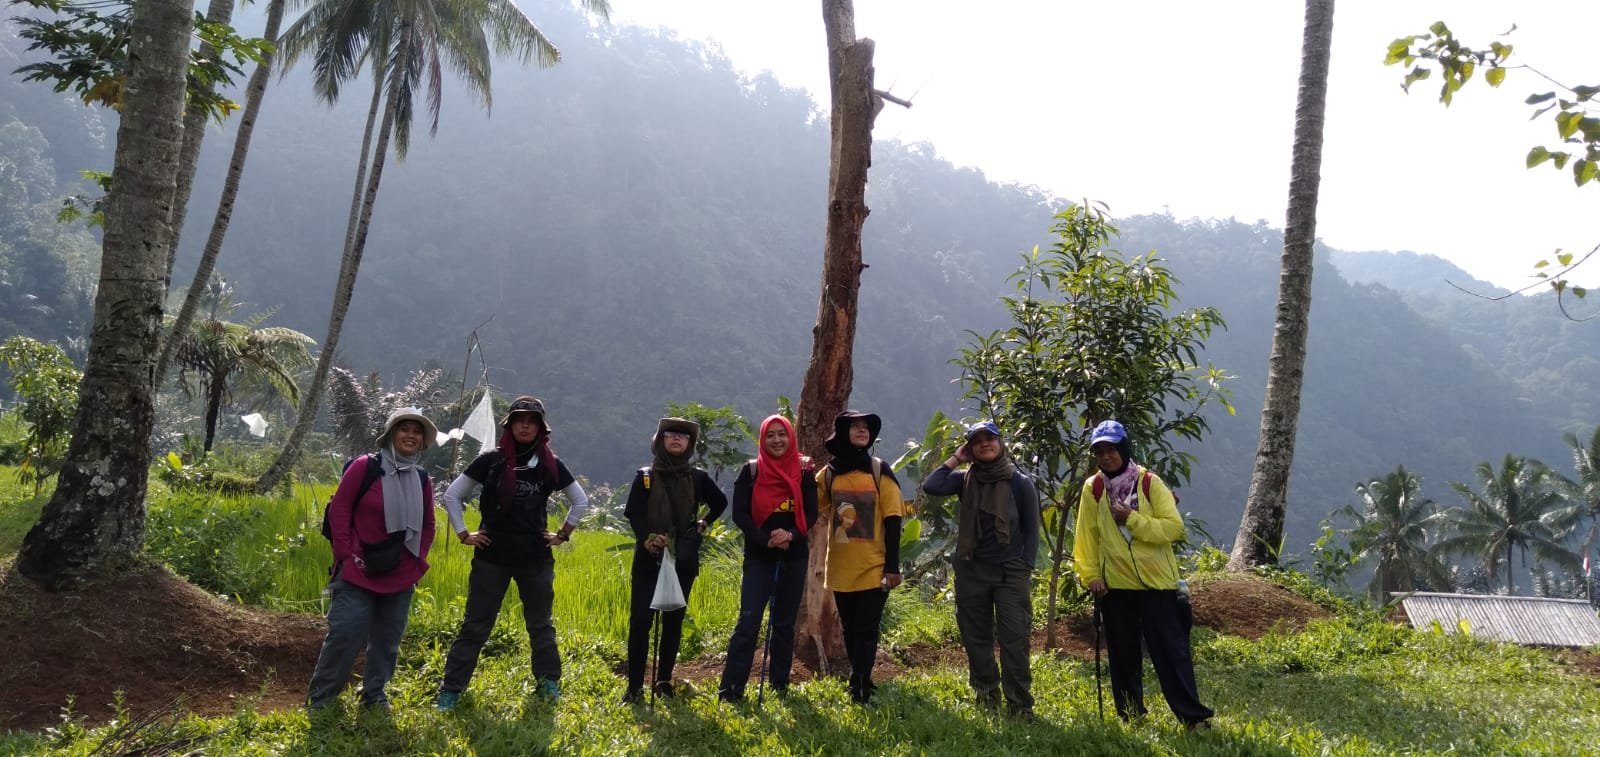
point(877, 477)
point(1099, 486)
point(372, 472)
point(1144, 478)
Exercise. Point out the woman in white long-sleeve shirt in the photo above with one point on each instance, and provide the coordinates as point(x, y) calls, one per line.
point(512, 543)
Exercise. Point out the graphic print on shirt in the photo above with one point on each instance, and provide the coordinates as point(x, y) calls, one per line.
point(855, 514)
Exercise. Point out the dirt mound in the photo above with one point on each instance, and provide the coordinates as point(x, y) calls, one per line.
point(151, 636)
point(1250, 606)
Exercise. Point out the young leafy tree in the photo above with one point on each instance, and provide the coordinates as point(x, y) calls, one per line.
point(1396, 526)
point(94, 522)
point(46, 382)
point(1093, 337)
point(724, 436)
point(1260, 535)
point(1518, 506)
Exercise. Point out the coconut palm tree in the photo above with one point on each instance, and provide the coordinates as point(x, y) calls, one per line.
point(255, 93)
point(94, 522)
point(1261, 528)
point(409, 43)
point(1396, 526)
point(1583, 491)
point(1520, 506)
point(216, 357)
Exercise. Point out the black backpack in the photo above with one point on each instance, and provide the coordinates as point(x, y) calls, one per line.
point(373, 472)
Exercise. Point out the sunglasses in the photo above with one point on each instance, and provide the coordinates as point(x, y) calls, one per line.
point(675, 435)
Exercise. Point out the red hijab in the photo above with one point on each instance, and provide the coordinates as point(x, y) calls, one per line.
point(777, 478)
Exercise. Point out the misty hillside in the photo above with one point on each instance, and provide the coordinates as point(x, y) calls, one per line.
point(644, 226)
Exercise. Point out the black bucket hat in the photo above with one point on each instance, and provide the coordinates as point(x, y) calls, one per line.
point(526, 404)
point(841, 426)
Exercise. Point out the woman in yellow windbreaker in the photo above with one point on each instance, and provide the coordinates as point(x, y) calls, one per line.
point(1127, 523)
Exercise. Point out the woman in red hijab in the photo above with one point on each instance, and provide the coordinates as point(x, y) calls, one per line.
point(775, 505)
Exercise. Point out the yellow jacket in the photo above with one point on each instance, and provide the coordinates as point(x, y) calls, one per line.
point(1145, 562)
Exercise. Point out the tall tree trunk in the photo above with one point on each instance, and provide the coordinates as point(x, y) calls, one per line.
point(94, 523)
point(349, 265)
point(1261, 529)
point(194, 130)
point(214, 391)
point(255, 93)
point(830, 374)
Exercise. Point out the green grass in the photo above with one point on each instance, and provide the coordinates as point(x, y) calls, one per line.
point(1350, 685)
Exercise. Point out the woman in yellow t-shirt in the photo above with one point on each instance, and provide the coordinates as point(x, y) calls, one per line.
point(859, 498)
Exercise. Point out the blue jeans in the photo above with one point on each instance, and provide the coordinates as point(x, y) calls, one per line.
point(756, 590)
point(357, 618)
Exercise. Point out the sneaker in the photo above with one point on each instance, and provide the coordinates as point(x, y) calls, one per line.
point(664, 689)
point(989, 701)
point(730, 696)
point(633, 696)
point(550, 688)
point(447, 701)
point(1196, 726)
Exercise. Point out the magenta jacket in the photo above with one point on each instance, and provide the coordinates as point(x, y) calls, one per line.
point(369, 528)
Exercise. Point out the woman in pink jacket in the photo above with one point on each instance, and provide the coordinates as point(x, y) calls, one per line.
point(381, 529)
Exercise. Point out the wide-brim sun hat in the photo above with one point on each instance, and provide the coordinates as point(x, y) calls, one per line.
point(846, 418)
point(526, 404)
point(430, 432)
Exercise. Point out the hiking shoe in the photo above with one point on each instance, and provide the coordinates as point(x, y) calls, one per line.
point(447, 701)
point(664, 689)
point(1197, 726)
point(989, 701)
point(550, 689)
point(1024, 714)
point(633, 696)
point(730, 696)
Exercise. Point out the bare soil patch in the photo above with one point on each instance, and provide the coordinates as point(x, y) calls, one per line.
point(151, 636)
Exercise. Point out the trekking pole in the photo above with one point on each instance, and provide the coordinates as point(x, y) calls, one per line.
point(1099, 694)
point(772, 606)
point(655, 655)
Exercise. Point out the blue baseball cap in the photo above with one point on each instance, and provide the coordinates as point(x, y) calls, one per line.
point(1108, 431)
point(973, 429)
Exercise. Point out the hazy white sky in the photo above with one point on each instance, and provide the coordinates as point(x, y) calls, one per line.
point(1189, 106)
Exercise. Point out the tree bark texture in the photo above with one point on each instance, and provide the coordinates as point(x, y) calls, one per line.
point(830, 374)
point(94, 523)
point(1261, 529)
point(349, 265)
point(255, 92)
point(194, 130)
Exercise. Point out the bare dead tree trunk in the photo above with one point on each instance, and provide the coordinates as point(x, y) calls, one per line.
point(1261, 529)
point(829, 376)
point(94, 523)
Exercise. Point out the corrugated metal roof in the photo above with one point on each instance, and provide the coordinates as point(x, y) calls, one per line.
point(1535, 621)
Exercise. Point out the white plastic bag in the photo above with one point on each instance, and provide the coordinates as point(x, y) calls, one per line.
point(669, 592)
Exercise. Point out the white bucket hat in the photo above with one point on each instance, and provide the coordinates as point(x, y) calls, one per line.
point(430, 433)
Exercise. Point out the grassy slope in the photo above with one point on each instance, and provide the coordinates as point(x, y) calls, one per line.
point(1346, 686)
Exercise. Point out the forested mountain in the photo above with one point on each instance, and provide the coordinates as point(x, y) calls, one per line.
point(644, 225)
